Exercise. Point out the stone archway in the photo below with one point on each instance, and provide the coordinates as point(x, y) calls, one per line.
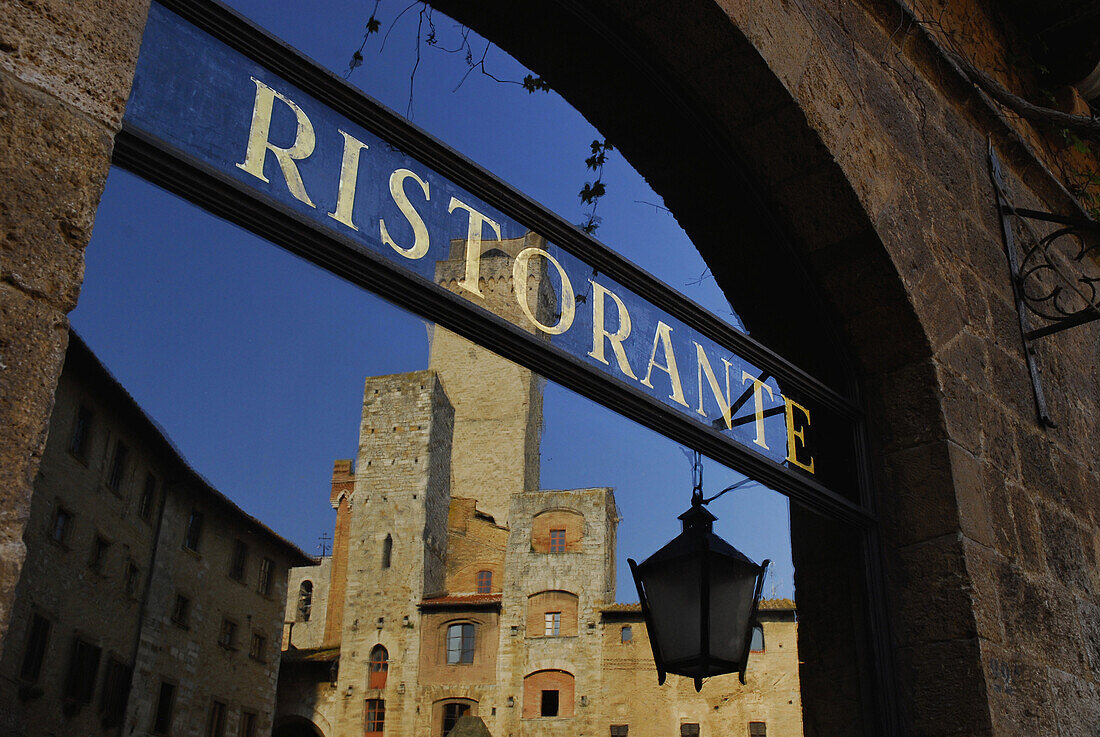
point(295, 726)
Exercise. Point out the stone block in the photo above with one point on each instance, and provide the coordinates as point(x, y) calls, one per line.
point(1076, 704)
point(1088, 614)
point(826, 98)
point(912, 406)
point(81, 53)
point(1065, 551)
point(920, 493)
point(1040, 619)
point(56, 164)
point(961, 412)
point(946, 687)
point(1018, 691)
point(932, 587)
point(1026, 519)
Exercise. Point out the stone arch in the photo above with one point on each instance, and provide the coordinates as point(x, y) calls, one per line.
point(763, 142)
point(296, 726)
point(564, 603)
point(548, 523)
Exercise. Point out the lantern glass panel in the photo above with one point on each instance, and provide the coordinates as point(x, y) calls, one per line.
point(672, 590)
point(732, 586)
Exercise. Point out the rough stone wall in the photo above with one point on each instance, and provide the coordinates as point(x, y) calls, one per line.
point(59, 583)
point(498, 404)
point(65, 72)
point(771, 693)
point(474, 544)
point(401, 491)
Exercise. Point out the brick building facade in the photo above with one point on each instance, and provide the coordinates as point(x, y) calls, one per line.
point(149, 603)
point(852, 129)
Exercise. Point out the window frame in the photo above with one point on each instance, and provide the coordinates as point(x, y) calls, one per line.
point(181, 619)
point(148, 500)
point(552, 624)
point(374, 715)
point(37, 638)
point(544, 703)
point(304, 609)
point(238, 561)
point(80, 435)
point(484, 581)
point(256, 645)
point(217, 718)
point(227, 634)
point(84, 661)
point(467, 645)
point(266, 577)
point(557, 543)
point(61, 511)
point(192, 533)
point(163, 713)
point(115, 477)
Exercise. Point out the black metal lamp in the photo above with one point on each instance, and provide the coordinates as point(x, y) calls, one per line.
point(699, 597)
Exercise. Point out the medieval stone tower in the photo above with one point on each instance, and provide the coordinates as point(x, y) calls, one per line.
point(456, 587)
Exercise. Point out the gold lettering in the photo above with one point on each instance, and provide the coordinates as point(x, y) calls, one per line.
point(663, 335)
point(758, 405)
point(349, 175)
point(599, 333)
point(469, 282)
point(259, 145)
point(795, 436)
point(420, 231)
point(519, 282)
point(703, 367)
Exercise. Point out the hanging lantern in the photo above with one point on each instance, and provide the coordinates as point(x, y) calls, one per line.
point(699, 597)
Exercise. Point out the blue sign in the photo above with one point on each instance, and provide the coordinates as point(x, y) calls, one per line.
point(207, 100)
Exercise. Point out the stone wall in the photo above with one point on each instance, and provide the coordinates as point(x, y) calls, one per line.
point(65, 72)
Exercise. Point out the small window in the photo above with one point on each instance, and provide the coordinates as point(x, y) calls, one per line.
point(215, 725)
point(549, 703)
point(82, 430)
point(118, 467)
point(227, 635)
point(460, 644)
point(387, 551)
point(626, 634)
point(451, 714)
point(239, 561)
point(116, 689)
point(619, 730)
point(148, 498)
point(181, 612)
point(378, 667)
point(758, 729)
point(374, 719)
point(194, 531)
point(100, 546)
point(553, 624)
point(130, 583)
point(689, 730)
point(484, 582)
point(756, 644)
point(62, 525)
point(305, 601)
point(247, 725)
point(267, 570)
point(83, 668)
point(38, 636)
point(256, 647)
point(162, 717)
point(557, 541)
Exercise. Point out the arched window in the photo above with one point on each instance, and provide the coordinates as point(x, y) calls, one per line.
point(552, 614)
point(447, 712)
point(378, 667)
point(484, 582)
point(756, 645)
point(548, 693)
point(452, 712)
point(305, 601)
point(460, 643)
point(387, 551)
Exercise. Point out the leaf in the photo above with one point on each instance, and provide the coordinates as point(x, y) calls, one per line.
point(373, 25)
point(532, 83)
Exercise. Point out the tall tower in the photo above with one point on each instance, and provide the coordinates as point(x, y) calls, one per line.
point(497, 404)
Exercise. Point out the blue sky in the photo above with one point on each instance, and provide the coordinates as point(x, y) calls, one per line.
point(254, 361)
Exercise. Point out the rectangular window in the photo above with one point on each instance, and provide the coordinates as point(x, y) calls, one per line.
point(99, 553)
point(451, 714)
point(82, 430)
point(758, 729)
point(118, 467)
point(689, 730)
point(130, 586)
point(553, 624)
point(38, 636)
point(374, 721)
point(619, 730)
point(484, 582)
point(227, 635)
point(256, 647)
point(194, 531)
point(549, 706)
point(626, 634)
point(557, 541)
point(239, 561)
point(181, 612)
point(162, 719)
point(62, 525)
point(215, 726)
point(756, 645)
point(460, 644)
point(83, 668)
point(116, 692)
point(267, 569)
point(148, 498)
point(247, 725)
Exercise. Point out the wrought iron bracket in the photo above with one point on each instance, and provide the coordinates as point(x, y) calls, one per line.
point(1049, 282)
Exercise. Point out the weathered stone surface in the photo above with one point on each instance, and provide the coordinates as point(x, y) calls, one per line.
point(56, 164)
point(934, 589)
point(82, 53)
